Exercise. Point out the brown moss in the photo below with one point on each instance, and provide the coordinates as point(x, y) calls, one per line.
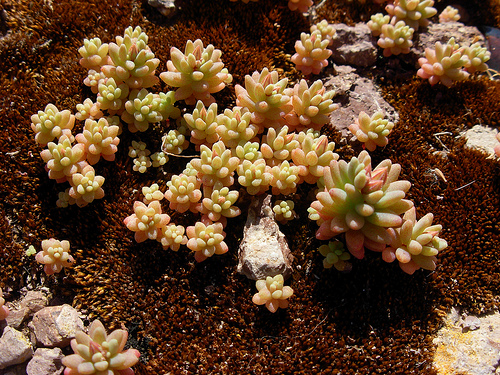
point(199, 318)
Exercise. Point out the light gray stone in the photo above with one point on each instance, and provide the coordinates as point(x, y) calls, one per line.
point(165, 7)
point(263, 251)
point(46, 362)
point(472, 351)
point(29, 304)
point(56, 325)
point(15, 348)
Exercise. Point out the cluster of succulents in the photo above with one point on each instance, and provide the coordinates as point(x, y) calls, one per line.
point(311, 52)
point(100, 353)
point(54, 256)
point(366, 206)
point(335, 256)
point(449, 14)
point(395, 39)
point(272, 293)
point(450, 62)
point(372, 131)
point(414, 13)
point(283, 210)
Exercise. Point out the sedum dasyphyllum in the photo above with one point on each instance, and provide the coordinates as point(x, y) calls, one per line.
point(99, 353)
point(272, 293)
point(360, 202)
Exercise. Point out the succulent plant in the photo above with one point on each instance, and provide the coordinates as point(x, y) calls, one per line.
point(64, 199)
point(51, 123)
point(248, 151)
point(327, 29)
point(272, 293)
point(277, 145)
point(415, 244)
point(285, 178)
point(158, 159)
point(255, 176)
point(414, 13)
point(86, 186)
point(311, 105)
point(63, 158)
point(132, 62)
point(313, 155)
point(94, 54)
point(203, 124)
point(174, 142)
point(184, 193)
point(376, 22)
point(234, 126)
point(198, 72)
point(99, 353)
point(172, 237)
point(283, 211)
point(478, 57)
point(4, 311)
point(311, 53)
point(88, 109)
point(443, 64)
point(360, 202)
point(146, 221)
point(264, 97)
point(54, 256)
point(93, 79)
point(152, 193)
point(112, 95)
point(215, 164)
point(372, 131)
point(335, 256)
point(99, 139)
point(449, 14)
point(395, 39)
point(219, 202)
point(141, 109)
point(206, 239)
point(140, 155)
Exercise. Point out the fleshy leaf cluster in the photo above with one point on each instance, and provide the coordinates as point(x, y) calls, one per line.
point(272, 293)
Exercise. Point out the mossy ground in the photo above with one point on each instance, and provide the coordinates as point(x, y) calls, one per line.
point(198, 318)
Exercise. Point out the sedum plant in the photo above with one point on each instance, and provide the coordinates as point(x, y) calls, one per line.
point(94, 54)
point(283, 211)
point(132, 61)
point(273, 293)
point(360, 202)
point(99, 139)
point(63, 159)
point(311, 105)
point(449, 14)
point(146, 221)
point(215, 164)
point(327, 29)
point(255, 176)
point(203, 124)
point(184, 193)
point(172, 237)
point(174, 142)
point(264, 97)
point(99, 353)
point(234, 126)
point(88, 109)
point(4, 311)
point(478, 57)
point(151, 193)
point(206, 240)
point(372, 131)
point(395, 39)
point(277, 145)
point(54, 256)
point(376, 22)
point(141, 109)
point(415, 244)
point(335, 256)
point(219, 202)
point(311, 53)
point(86, 186)
point(414, 13)
point(443, 64)
point(112, 95)
point(285, 178)
point(51, 123)
point(198, 72)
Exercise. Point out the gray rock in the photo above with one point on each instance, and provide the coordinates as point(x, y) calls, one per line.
point(355, 94)
point(56, 325)
point(32, 302)
point(15, 348)
point(473, 351)
point(353, 45)
point(263, 251)
point(46, 362)
point(165, 7)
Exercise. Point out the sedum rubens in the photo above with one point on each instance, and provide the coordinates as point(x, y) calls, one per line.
point(99, 139)
point(372, 131)
point(99, 353)
point(86, 186)
point(63, 159)
point(206, 239)
point(215, 164)
point(360, 203)
point(184, 193)
point(264, 97)
point(147, 221)
point(395, 39)
point(51, 123)
point(444, 63)
point(203, 124)
point(415, 244)
point(198, 73)
point(414, 13)
point(54, 256)
point(272, 293)
point(311, 53)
